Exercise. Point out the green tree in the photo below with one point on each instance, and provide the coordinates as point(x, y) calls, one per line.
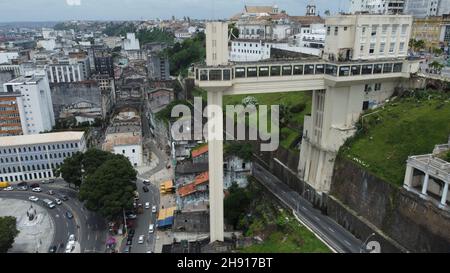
point(8, 231)
point(71, 168)
point(236, 204)
point(110, 189)
point(233, 31)
point(242, 150)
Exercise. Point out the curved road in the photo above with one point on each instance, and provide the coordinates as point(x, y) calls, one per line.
point(89, 229)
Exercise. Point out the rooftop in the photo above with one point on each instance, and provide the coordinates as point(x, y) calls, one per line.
point(12, 141)
point(26, 80)
point(199, 151)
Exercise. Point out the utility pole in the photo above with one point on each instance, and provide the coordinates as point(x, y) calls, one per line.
point(125, 221)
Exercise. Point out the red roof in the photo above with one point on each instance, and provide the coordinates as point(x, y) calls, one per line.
point(202, 178)
point(187, 190)
point(199, 151)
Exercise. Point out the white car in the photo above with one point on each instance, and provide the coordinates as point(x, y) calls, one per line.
point(36, 190)
point(70, 246)
point(154, 209)
point(151, 228)
point(71, 238)
point(141, 239)
point(147, 205)
point(33, 198)
point(8, 188)
point(58, 201)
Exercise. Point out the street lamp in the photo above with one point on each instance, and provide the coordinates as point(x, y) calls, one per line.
point(363, 246)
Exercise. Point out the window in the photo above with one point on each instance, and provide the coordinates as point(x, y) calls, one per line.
point(384, 29)
point(394, 30)
point(215, 75)
point(331, 70)
point(336, 31)
point(366, 69)
point(404, 29)
point(240, 72)
point(398, 67)
point(203, 75)
point(134, 151)
point(328, 30)
point(401, 47)
point(367, 88)
point(377, 87)
point(309, 69)
point(387, 68)
point(363, 31)
point(374, 30)
point(356, 70)
point(320, 69)
point(226, 74)
point(391, 48)
point(377, 69)
point(123, 151)
point(252, 72)
point(372, 48)
point(263, 71)
point(344, 71)
point(298, 69)
point(275, 71)
point(382, 47)
point(287, 70)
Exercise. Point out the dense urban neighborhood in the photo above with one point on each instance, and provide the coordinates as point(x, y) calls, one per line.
point(267, 131)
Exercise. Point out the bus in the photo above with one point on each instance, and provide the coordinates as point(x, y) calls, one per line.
point(48, 203)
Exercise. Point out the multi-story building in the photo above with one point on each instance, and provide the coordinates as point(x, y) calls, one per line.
point(10, 123)
point(104, 63)
point(377, 6)
point(131, 43)
point(34, 105)
point(158, 67)
point(426, 8)
point(248, 50)
point(25, 158)
point(75, 68)
point(367, 37)
point(433, 30)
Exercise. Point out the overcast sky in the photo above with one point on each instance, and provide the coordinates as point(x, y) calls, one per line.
point(57, 10)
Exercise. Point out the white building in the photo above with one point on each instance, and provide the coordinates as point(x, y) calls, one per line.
point(69, 70)
point(367, 37)
point(25, 158)
point(35, 105)
point(8, 56)
point(131, 151)
point(426, 8)
point(131, 43)
point(377, 6)
point(246, 50)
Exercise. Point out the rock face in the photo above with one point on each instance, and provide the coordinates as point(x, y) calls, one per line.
point(415, 224)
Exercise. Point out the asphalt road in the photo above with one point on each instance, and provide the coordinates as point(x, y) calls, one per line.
point(89, 229)
point(334, 235)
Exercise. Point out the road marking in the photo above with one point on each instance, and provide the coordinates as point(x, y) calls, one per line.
point(88, 236)
point(317, 218)
point(332, 230)
point(96, 236)
point(345, 241)
point(67, 225)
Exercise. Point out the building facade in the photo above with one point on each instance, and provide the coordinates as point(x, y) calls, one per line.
point(29, 158)
point(377, 6)
point(69, 70)
point(158, 67)
point(426, 8)
point(10, 123)
point(35, 104)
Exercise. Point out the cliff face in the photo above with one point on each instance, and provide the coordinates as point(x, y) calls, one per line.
point(417, 225)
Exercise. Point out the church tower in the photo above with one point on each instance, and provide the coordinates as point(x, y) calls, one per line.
point(311, 9)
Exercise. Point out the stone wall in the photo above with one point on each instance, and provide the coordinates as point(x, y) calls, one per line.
point(417, 225)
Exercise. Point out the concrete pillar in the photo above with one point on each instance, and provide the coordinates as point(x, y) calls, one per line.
point(57, 73)
point(444, 196)
point(215, 159)
point(407, 183)
point(425, 184)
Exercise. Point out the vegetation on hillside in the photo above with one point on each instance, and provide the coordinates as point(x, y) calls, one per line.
point(8, 231)
point(182, 55)
point(293, 108)
point(250, 211)
point(411, 125)
point(239, 149)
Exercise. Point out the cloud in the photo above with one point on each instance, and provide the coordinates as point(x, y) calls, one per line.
point(73, 2)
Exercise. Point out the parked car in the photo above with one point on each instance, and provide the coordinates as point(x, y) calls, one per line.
point(69, 215)
point(33, 198)
point(58, 201)
point(51, 181)
point(129, 241)
point(22, 188)
point(51, 192)
point(141, 239)
point(151, 228)
point(145, 189)
point(21, 184)
point(154, 209)
point(64, 197)
point(8, 188)
point(36, 189)
point(146, 182)
point(147, 205)
point(35, 185)
point(44, 182)
point(72, 238)
point(131, 216)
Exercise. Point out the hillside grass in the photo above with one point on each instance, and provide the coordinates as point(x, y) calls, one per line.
point(404, 127)
point(290, 133)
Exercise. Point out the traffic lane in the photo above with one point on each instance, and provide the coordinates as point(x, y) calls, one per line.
point(63, 226)
point(333, 232)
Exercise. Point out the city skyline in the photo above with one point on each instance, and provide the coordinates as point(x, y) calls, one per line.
point(64, 10)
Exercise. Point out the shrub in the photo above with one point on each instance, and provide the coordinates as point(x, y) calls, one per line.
point(298, 108)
